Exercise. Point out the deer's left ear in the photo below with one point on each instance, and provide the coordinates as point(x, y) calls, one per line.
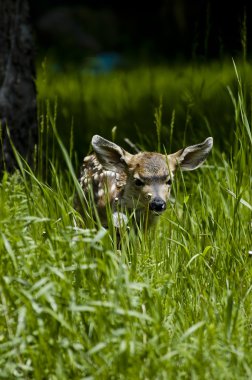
point(111, 156)
point(193, 156)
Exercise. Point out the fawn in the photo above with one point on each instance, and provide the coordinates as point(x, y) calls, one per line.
point(139, 183)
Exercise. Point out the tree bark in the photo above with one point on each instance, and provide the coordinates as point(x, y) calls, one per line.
point(18, 109)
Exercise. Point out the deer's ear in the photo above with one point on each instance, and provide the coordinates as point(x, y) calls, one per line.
point(193, 156)
point(111, 156)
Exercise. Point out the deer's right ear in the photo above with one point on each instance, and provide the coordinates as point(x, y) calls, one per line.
point(111, 156)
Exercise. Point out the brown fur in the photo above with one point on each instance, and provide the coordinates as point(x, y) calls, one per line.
point(134, 182)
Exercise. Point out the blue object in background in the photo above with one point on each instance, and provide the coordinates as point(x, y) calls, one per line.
point(103, 63)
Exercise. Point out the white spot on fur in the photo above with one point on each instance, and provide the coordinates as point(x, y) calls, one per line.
point(111, 174)
point(100, 193)
point(96, 177)
point(87, 158)
point(119, 219)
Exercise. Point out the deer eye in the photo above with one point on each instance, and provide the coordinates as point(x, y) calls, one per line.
point(169, 182)
point(138, 182)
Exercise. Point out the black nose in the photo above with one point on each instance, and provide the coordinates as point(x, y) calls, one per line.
point(157, 204)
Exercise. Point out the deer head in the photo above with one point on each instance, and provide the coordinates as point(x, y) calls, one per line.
point(148, 176)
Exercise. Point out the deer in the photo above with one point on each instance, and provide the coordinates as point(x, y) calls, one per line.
point(134, 183)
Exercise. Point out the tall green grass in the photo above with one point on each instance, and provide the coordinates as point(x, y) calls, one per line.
point(172, 303)
point(194, 98)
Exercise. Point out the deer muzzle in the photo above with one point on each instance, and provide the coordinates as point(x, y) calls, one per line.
point(157, 204)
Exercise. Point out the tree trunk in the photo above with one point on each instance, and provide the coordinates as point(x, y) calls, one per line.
point(18, 110)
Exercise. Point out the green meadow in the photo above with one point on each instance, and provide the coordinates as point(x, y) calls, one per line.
point(173, 302)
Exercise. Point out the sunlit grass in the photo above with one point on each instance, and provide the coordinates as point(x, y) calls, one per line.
point(196, 99)
point(173, 303)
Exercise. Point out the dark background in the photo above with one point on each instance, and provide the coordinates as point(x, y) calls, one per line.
point(168, 30)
